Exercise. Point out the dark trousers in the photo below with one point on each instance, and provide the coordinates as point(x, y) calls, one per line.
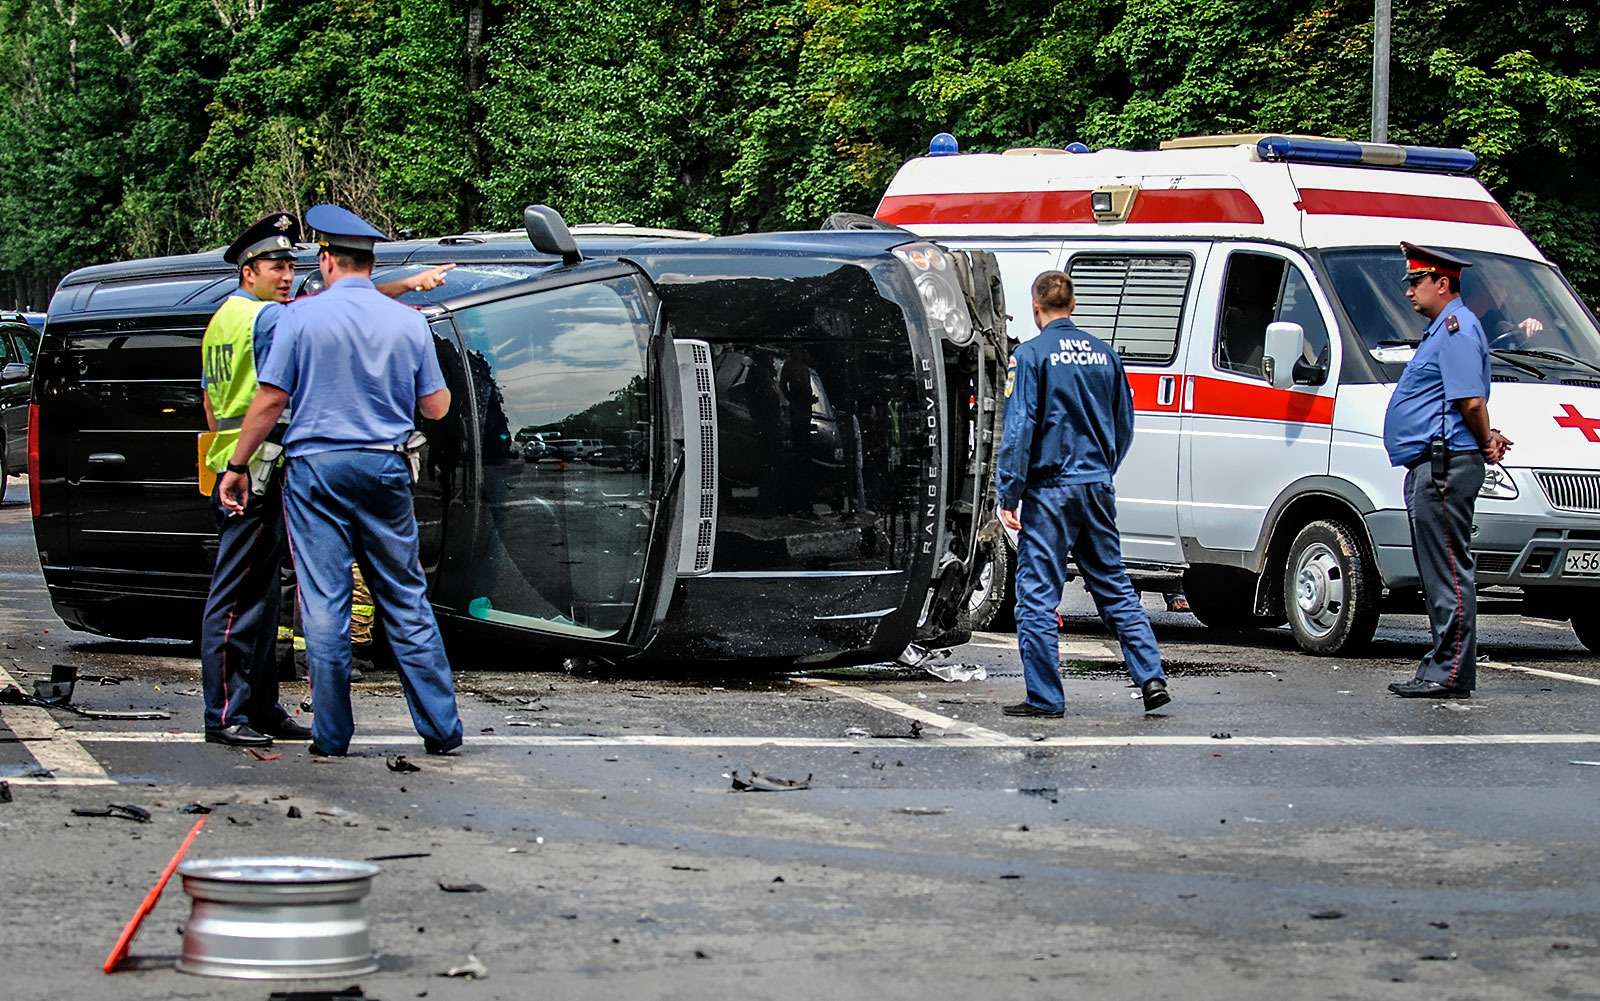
point(240, 627)
point(1441, 536)
point(1077, 520)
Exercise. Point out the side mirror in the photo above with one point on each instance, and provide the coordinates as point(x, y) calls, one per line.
point(1285, 346)
point(549, 233)
point(14, 371)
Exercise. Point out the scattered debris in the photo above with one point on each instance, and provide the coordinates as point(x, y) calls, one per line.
point(397, 856)
point(11, 695)
point(351, 993)
point(119, 952)
point(1591, 764)
point(768, 783)
point(1327, 915)
point(687, 868)
point(700, 954)
point(195, 808)
point(462, 887)
point(777, 879)
point(1441, 925)
point(957, 672)
point(398, 763)
point(293, 813)
point(5, 792)
point(472, 969)
point(260, 755)
point(1042, 792)
point(1222, 735)
point(923, 811)
point(861, 731)
point(1010, 875)
point(1443, 957)
point(122, 811)
point(1561, 945)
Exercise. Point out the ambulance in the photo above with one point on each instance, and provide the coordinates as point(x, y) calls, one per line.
point(1252, 285)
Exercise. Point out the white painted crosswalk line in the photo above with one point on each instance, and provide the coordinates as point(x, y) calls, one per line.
point(1539, 672)
point(947, 725)
point(53, 747)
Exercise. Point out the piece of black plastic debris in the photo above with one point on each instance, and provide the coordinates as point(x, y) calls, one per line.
point(351, 993)
point(758, 782)
point(122, 811)
point(687, 868)
point(472, 969)
point(777, 879)
point(1443, 957)
point(1187, 896)
point(1222, 735)
point(1010, 875)
point(1560, 945)
point(462, 887)
point(293, 813)
point(397, 856)
point(700, 954)
point(398, 763)
point(5, 792)
point(195, 808)
point(1327, 915)
point(1022, 827)
point(1441, 925)
point(1042, 792)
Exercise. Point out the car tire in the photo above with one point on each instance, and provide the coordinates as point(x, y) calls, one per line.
point(1587, 631)
point(992, 605)
point(1330, 589)
point(1223, 598)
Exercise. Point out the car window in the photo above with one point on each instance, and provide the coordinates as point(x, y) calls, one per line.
point(1135, 303)
point(144, 293)
point(1261, 289)
point(7, 353)
point(564, 541)
point(27, 341)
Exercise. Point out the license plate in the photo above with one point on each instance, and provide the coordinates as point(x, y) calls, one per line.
point(1583, 563)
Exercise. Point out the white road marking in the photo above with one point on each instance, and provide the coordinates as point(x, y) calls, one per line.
point(57, 752)
point(887, 703)
point(1074, 648)
point(1540, 672)
point(983, 739)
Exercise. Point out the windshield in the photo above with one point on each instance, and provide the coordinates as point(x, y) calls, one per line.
point(1525, 306)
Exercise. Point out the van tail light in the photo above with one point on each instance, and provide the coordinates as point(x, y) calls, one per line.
point(33, 457)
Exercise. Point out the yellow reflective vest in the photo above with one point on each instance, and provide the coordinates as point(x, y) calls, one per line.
point(228, 354)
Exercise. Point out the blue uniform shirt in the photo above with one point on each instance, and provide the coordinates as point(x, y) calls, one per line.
point(261, 337)
point(1069, 413)
point(353, 362)
point(1448, 366)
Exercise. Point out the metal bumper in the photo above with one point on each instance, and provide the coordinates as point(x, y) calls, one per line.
point(1521, 550)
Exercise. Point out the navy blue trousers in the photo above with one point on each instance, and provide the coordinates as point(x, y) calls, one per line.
point(1077, 520)
point(237, 635)
point(356, 506)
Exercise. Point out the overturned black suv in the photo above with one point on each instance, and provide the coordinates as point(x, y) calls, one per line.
point(788, 440)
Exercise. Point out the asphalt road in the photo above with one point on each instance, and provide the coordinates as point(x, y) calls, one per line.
point(1106, 855)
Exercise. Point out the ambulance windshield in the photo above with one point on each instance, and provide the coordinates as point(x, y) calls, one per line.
point(1529, 313)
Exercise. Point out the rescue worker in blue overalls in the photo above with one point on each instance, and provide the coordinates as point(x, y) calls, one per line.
point(238, 671)
point(1069, 424)
point(356, 367)
point(1437, 426)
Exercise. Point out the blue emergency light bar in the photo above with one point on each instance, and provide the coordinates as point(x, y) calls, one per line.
point(1338, 153)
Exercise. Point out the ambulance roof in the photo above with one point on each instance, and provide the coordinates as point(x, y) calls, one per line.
point(1305, 192)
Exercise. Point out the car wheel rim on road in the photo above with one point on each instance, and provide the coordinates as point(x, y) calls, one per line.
point(980, 593)
point(1319, 589)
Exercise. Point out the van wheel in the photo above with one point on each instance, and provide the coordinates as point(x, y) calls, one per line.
point(1222, 598)
point(1588, 632)
point(991, 607)
point(1330, 589)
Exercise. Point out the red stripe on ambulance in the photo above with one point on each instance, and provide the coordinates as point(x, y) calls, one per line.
point(1331, 201)
point(1162, 206)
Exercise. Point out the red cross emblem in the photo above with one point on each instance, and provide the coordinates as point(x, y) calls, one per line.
point(1590, 426)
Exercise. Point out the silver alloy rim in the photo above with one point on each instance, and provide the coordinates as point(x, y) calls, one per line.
point(1319, 589)
point(980, 594)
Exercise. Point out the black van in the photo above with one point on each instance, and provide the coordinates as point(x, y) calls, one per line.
point(796, 435)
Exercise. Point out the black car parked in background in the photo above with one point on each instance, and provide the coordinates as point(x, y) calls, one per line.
point(792, 438)
point(19, 342)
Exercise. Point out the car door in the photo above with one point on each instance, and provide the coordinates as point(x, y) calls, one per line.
point(1138, 298)
point(567, 550)
point(1244, 440)
point(15, 369)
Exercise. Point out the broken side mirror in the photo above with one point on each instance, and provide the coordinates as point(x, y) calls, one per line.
point(1286, 344)
point(549, 233)
point(13, 371)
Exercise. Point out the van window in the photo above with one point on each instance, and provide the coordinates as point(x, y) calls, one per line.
point(561, 545)
point(1133, 303)
point(1262, 289)
point(146, 293)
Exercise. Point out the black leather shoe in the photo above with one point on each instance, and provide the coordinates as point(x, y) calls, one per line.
point(1028, 709)
point(238, 735)
point(445, 748)
point(320, 753)
point(288, 729)
point(1155, 695)
point(1416, 688)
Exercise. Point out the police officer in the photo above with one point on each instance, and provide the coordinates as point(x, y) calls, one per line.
point(1437, 426)
point(356, 367)
point(1069, 424)
point(239, 672)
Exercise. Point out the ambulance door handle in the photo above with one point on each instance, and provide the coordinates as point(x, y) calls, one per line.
point(1188, 395)
point(1166, 390)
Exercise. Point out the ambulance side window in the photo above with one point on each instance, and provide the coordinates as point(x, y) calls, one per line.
point(1262, 289)
point(1133, 302)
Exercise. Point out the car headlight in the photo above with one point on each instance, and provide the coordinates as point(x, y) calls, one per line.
point(1497, 484)
point(939, 289)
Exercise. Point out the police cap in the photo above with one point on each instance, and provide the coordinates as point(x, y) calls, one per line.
point(270, 238)
point(340, 229)
point(1427, 261)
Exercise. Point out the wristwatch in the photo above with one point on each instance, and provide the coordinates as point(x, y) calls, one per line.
point(242, 468)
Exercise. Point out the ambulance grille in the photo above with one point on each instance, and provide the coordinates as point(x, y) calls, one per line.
point(1571, 491)
point(1591, 383)
point(696, 380)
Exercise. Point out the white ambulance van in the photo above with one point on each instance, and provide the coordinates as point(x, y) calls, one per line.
point(1253, 288)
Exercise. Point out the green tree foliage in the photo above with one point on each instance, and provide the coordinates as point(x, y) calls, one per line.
point(160, 126)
